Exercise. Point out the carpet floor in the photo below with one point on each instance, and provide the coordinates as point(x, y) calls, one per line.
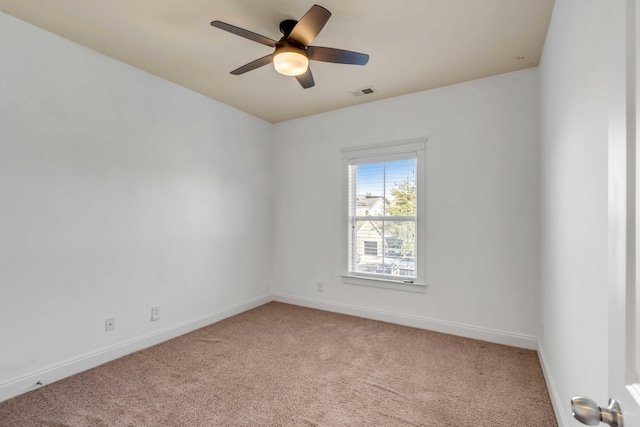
point(283, 365)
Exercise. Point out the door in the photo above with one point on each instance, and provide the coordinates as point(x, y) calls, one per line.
point(624, 213)
point(624, 333)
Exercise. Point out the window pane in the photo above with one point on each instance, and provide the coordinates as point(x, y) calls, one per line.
point(401, 187)
point(369, 246)
point(386, 188)
point(370, 189)
point(385, 247)
point(400, 241)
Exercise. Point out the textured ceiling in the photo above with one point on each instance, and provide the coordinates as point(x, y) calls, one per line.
point(413, 45)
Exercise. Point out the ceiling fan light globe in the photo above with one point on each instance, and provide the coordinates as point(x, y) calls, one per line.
point(290, 63)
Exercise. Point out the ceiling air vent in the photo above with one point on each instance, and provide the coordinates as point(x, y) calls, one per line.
point(365, 91)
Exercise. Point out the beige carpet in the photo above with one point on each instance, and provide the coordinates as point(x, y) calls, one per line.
point(282, 365)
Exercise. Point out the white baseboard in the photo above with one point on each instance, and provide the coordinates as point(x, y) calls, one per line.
point(25, 383)
point(484, 334)
point(558, 408)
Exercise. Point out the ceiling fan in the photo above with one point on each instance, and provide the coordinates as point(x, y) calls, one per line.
point(292, 52)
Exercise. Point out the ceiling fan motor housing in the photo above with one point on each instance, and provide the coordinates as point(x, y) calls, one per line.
point(285, 45)
point(286, 27)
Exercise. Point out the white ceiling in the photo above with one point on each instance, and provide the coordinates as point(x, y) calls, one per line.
point(413, 45)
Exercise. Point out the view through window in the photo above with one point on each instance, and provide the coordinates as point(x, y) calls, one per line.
point(382, 216)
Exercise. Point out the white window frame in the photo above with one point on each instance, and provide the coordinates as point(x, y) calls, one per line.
point(386, 151)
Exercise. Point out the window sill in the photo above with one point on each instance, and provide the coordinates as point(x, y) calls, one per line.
point(384, 283)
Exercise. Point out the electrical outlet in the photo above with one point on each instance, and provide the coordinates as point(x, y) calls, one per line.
point(319, 287)
point(155, 313)
point(109, 324)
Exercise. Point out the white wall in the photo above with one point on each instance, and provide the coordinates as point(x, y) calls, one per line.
point(574, 134)
point(118, 191)
point(482, 214)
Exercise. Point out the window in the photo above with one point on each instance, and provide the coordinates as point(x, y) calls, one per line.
point(371, 248)
point(384, 215)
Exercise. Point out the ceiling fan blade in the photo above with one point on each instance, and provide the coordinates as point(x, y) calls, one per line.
point(306, 79)
point(253, 65)
point(329, 54)
point(244, 33)
point(310, 25)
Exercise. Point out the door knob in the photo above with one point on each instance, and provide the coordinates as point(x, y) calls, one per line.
point(588, 412)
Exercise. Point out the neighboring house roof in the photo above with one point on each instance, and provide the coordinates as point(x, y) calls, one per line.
point(369, 200)
point(369, 225)
point(368, 205)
